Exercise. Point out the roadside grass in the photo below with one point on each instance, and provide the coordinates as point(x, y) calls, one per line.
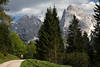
point(38, 63)
point(7, 58)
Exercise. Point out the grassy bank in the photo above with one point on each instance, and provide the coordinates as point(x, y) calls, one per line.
point(38, 63)
point(7, 58)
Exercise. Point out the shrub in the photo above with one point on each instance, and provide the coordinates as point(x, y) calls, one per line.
point(31, 50)
point(77, 59)
point(38, 63)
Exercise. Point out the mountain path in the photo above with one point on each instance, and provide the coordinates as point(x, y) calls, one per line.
point(13, 63)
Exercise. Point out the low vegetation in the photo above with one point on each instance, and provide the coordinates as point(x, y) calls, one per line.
point(7, 58)
point(38, 63)
point(77, 59)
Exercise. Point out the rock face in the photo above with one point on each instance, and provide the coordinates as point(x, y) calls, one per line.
point(86, 21)
point(27, 27)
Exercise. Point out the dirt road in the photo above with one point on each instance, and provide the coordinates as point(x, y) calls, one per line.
point(13, 63)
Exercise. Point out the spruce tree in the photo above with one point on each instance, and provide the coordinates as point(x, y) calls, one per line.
point(85, 43)
point(50, 43)
point(77, 42)
point(78, 47)
point(96, 34)
point(74, 36)
point(44, 38)
point(58, 41)
point(4, 32)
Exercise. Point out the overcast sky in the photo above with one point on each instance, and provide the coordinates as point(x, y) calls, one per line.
point(38, 7)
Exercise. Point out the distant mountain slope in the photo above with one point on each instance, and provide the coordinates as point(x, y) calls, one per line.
point(86, 21)
point(27, 27)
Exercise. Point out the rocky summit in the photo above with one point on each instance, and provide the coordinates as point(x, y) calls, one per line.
point(27, 27)
point(86, 21)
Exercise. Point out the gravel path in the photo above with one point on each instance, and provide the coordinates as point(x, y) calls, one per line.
point(13, 63)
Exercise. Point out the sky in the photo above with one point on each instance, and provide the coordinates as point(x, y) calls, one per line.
point(38, 7)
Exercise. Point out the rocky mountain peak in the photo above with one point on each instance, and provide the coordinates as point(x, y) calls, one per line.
point(27, 27)
point(86, 21)
point(74, 8)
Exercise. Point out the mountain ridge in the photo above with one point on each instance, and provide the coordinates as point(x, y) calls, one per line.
point(27, 27)
point(86, 21)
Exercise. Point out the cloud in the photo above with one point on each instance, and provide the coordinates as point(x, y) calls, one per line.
point(77, 1)
point(16, 5)
point(89, 7)
point(38, 7)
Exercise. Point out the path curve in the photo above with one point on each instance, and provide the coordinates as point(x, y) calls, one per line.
point(13, 63)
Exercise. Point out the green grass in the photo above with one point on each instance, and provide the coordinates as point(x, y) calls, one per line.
point(38, 63)
point(7, 58)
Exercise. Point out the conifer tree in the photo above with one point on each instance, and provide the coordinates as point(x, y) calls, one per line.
point(58, 42)
point(96, 34)
point(74, 36)
point(44, 38)
point(4, 32)
point(85, 43)
point(78, 46)
point(50, 43)
point(77, 42)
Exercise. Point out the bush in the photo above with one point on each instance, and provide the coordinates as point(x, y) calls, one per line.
point(77, 59)
point(18, 46)
point(31, 50)
point(8, 57)
point(5, 42)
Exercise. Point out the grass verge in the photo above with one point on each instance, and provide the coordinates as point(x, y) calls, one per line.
point(38, 63)
point(7, 58)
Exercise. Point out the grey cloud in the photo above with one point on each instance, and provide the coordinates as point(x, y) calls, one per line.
point(16, 5)
point(38, 7)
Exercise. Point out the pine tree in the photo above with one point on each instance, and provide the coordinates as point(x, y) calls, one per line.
point(50, 44)
point(4, 32)
point(85, 43)
point(77, 42)
point(74, 36)
point(78, 46)
point(96, 34)
point(58, 42)
point(44, 38)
